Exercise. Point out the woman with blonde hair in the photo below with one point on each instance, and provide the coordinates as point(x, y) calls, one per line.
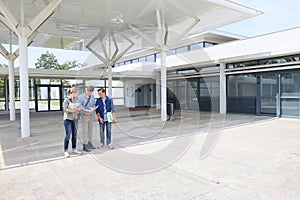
point(71, 110)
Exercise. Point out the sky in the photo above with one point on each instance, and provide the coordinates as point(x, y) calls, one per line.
point(277, 15)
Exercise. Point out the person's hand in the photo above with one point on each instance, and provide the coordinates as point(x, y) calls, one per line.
point(78, 108)
point(113, 118)
point(101, 120)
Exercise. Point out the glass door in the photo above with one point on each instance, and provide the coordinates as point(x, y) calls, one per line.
point(193, 94)
point(268, 92)
point(48, 98)
point(54, 98)
point(290, 94)
point(42, 98)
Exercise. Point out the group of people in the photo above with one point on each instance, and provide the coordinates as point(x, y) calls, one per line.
point(83, 108)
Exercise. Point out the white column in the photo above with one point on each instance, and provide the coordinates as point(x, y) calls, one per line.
point(222, 89)
point(110, 80)
point(11, 77)
point(25, 122)
point(157, 92)
point(163, 75)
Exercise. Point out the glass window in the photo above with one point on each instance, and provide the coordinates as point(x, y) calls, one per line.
point(208, 44)
point(269, 61)
point(150, 58)
point(116, 84)
point(118, 64)
point(268, 84)
point(187, 71)
point(196, 46)
point(2, 94)
point(135, 60)
point(127, 62)
point(241, 85)
point(290, 84)
point(241, 93)
point(118, 92)
point(171, 52)
point(210, 69)
point(142, 59)
point(182, 49)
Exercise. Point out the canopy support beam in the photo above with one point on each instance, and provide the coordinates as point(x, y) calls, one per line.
point(107, 59)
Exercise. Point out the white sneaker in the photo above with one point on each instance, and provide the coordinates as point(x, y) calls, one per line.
point(76, 152)
point(67, 155)
point(110, 146)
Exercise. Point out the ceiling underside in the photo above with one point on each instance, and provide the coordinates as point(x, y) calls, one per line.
point(77, 22)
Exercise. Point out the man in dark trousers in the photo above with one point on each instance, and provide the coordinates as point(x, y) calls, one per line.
point(106, 115)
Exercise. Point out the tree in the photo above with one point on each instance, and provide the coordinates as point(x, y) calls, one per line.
point(70, 64)
point(47, 61)
point(4, 65)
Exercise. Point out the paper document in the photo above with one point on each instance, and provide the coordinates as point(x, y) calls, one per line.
point(73, 105)
point(90, 109)
point(109, 116)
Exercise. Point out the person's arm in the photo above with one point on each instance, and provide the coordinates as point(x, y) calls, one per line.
point(98, 112)
point(113, 111)
point(81, 100)
point(69, 110)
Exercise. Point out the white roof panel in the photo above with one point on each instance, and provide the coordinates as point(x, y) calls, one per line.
point(75, 21)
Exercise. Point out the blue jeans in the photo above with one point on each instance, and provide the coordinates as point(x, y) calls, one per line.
point(71, 127)
point(108, 132)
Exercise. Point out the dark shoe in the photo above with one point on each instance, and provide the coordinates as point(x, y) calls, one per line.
point(85, 148)
point(90, 145)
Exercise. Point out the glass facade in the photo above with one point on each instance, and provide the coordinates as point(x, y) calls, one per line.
point(2, 94)
point(241, 93)
point(268, 91)
point(290, 93)
point(278, 60)
point(152, 57)
point(198, 94)
point(265, 93)
point(209, 95)
point(48, 94)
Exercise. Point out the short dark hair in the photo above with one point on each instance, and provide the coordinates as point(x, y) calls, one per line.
point(102, 90)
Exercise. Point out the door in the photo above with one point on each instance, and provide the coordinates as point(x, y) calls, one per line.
point(48, 98)
point(290, 94)
point(140, 97)
point(268, 94)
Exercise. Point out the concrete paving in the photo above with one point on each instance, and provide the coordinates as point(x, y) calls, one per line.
point(196, 156)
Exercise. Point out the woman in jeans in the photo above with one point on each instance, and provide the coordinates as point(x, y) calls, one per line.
point(71, 111)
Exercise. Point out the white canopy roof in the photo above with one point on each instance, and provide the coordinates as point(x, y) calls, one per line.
point(79, 21)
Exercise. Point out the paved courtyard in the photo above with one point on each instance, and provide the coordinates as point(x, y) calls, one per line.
point(195, 156)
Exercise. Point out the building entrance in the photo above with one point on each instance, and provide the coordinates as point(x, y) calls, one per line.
point(48, 98)
point(268, 91)
point(265, 93)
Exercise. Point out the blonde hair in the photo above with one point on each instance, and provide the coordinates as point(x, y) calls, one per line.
point(72, 90)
